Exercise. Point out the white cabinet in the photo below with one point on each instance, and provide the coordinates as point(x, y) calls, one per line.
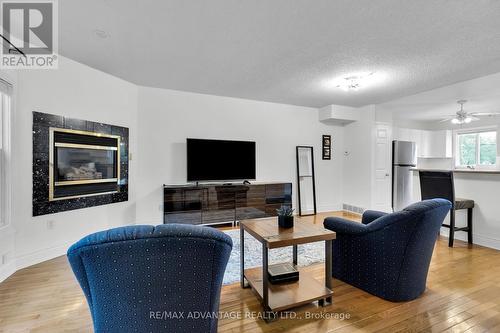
point(439, 144)
point(430, 144)
point(410, 134)
point(402, 134)
point(425, 144)
point(416, 136)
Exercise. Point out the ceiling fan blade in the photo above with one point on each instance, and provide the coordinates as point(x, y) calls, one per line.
point(489, 114)
point(474, 118)
point(447, 119)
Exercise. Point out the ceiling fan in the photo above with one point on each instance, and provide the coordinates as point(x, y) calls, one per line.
point(464, 117)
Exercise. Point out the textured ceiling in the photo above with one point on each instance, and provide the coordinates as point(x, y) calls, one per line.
point(285, 50)
point(482, 95)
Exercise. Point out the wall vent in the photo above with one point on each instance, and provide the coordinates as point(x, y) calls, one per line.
point(4, 258)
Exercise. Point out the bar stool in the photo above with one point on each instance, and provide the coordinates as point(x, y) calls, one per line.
point(440, 184)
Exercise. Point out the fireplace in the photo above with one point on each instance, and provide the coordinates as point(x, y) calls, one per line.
point(82, 163)
point(77, 163)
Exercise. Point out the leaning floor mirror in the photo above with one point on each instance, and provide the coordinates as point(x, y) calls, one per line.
point(306, 188)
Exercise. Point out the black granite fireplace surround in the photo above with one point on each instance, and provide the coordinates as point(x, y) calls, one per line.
point(77, 164)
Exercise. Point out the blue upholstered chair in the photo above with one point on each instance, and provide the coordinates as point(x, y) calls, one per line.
point(149, 279)
point(388, 255)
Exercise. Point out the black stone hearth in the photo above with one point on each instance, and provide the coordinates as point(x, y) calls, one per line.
point(42, 203)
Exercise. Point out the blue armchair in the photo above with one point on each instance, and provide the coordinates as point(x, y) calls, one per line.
point(149, 279)
point(388, 255)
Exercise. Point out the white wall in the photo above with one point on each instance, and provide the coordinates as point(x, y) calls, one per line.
point(167, 118)
point(485, 191)
point(77, 91)
point(159, 122)
point(358, 161)
point(435, 163)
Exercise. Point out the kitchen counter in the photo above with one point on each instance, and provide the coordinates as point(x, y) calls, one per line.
point(489, 172)
point(482, 186)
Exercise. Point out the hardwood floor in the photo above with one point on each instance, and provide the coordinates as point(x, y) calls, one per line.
point(463, 295)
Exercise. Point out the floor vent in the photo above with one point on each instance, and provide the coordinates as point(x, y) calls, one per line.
point(353, 209)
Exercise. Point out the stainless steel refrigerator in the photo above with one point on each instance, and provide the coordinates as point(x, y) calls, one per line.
point(404, 158)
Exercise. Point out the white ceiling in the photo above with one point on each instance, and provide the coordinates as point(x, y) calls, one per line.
point(482, 95)
point(285, 50)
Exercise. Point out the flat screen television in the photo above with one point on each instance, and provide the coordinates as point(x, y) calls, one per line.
point(220, 160)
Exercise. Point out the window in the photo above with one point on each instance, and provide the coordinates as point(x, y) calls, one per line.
point(476, 149)
point(2, 168)
point(5, 93)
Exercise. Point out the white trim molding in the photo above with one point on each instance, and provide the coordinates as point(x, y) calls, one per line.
point(486, 241)
point(42, 255)
point(7, 230)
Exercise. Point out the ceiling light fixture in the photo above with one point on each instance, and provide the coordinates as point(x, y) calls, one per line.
point(356, 81)
point(101, 34)
point(353, 82)
point(462, 117)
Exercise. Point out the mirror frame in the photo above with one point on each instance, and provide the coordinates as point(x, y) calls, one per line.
point(313, 177)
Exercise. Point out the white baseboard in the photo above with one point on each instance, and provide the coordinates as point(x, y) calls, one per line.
point(493, 243)
point(490, 242)
point(329, 208)
point(7, 270)
point(32, 259)
point(42, 255)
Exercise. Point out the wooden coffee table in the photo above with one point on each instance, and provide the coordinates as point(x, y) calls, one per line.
point(280, 297)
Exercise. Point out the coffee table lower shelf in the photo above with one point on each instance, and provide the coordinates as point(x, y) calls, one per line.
point(289, 295)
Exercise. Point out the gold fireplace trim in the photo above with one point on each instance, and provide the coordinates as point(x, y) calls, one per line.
point(83, 146)
point(83, 196)
point(86, 181)
point(52, 145)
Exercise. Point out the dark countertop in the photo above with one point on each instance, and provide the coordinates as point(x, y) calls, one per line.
point(490, 172)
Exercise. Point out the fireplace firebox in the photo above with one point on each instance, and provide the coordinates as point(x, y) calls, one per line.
point(82, 163)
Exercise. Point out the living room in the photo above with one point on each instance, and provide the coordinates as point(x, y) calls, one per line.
point(341, 80)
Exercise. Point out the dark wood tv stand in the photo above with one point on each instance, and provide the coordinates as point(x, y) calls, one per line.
point(207, 204)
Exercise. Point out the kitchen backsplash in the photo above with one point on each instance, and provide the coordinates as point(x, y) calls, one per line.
point(435, 163)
